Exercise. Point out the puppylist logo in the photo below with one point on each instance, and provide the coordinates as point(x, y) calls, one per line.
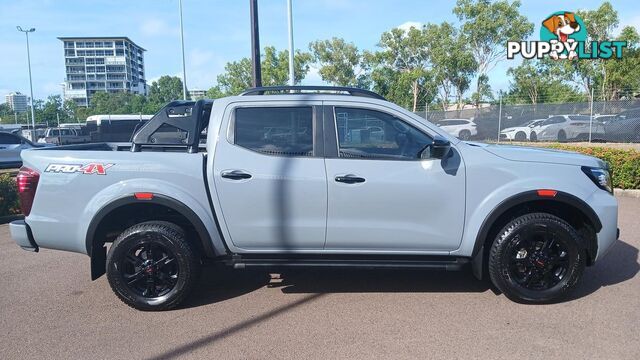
point(563, 35)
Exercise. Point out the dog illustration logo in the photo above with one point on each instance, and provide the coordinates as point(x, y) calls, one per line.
point(563, 35)
point(564, 27)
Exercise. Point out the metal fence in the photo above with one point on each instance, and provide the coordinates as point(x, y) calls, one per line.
point(597, 121)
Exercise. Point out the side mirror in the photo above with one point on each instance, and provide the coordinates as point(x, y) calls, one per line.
point(438, 149)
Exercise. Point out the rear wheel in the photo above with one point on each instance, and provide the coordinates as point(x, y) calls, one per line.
point(152, 266)
point(520, 136)
point(562, 136)
point(464, 135)
point(536, 258)
point(533, 137)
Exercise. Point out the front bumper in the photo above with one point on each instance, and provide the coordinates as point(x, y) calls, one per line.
point(21, 234)
point(605, 206)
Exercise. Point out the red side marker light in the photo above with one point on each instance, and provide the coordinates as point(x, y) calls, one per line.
point(143, 196)
point(547, 193)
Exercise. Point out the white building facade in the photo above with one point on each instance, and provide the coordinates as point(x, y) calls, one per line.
point(107, 64)
point(17, 101)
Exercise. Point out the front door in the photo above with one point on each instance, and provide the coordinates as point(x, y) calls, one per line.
point(382, 196)
point(270, 177)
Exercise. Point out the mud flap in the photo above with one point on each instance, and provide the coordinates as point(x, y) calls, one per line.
point(98, 262)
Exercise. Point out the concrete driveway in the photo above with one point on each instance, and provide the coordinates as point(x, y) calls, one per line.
point(50, 309)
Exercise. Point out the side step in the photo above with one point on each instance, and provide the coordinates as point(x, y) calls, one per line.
point(450, 264)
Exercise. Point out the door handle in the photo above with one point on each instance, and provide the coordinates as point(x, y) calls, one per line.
point(235, 175)
point(349, 179)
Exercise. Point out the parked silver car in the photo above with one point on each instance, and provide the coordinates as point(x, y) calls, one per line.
point(10, 147)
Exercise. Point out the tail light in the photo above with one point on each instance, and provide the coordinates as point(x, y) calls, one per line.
point(27, 180)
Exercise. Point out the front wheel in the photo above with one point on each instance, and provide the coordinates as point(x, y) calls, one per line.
point(536, 258)
point(562, 136)
point(520, 136)
point(152, 266)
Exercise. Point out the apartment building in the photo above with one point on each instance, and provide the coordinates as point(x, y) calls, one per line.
point(17, 101)
point(109, 64)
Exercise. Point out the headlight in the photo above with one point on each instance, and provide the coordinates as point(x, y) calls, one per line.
point(600, 177)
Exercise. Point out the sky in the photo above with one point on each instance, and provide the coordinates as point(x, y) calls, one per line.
point(218, 31)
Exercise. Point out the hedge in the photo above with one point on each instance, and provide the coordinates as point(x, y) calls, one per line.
point(9, 204)
point(624, 163)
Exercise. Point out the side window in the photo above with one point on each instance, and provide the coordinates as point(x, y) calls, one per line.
point(364, 133)
point(553, 120)
point(8, 139)
point(286, 131)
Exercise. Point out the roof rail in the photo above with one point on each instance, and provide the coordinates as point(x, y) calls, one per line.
point(299, 89)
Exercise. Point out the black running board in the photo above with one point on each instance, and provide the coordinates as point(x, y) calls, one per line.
point(450, 265)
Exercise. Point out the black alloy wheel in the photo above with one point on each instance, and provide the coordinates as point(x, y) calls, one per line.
point(152, 266)
point(149, 269)
point(537, 258)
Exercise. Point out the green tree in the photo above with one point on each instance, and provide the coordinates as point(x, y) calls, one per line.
point(483, 92)
point(339, 61)
point(52, 110)
point(117, 103)
point(451, 59)
point(275, 71)
point(488, 26)
point(405, 53)
point(540, 81)
point(165, 89)
point(591, 74)
point(623, 75)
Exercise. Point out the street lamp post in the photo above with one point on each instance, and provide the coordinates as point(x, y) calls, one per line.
point(292, 79)
point(33, 114)
point(184, 71)
point(255, 44)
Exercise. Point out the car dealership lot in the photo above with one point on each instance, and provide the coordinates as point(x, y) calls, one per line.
point(50, 309)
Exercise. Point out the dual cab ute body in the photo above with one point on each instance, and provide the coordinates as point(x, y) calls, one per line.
point(300, 179)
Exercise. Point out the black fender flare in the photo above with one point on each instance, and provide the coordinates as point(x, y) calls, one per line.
point(521, 198)
point(98, 253)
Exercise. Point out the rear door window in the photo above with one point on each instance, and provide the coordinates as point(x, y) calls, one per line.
point(8, 139)
point(282, 131)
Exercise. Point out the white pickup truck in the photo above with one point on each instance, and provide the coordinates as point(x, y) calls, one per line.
point(63, 136)
point(286, 177)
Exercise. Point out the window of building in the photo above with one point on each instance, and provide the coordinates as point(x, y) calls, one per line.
point(275, 131)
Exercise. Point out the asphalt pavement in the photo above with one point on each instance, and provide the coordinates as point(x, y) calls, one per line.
point(49, 309)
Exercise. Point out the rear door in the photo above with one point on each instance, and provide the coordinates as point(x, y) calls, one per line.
point(382, 196)
point(550, 127)
point(270, 177)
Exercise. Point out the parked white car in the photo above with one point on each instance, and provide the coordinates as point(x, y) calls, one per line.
point(519, 133)
point(567, 127)
point(63, 136)
point(464, 129)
